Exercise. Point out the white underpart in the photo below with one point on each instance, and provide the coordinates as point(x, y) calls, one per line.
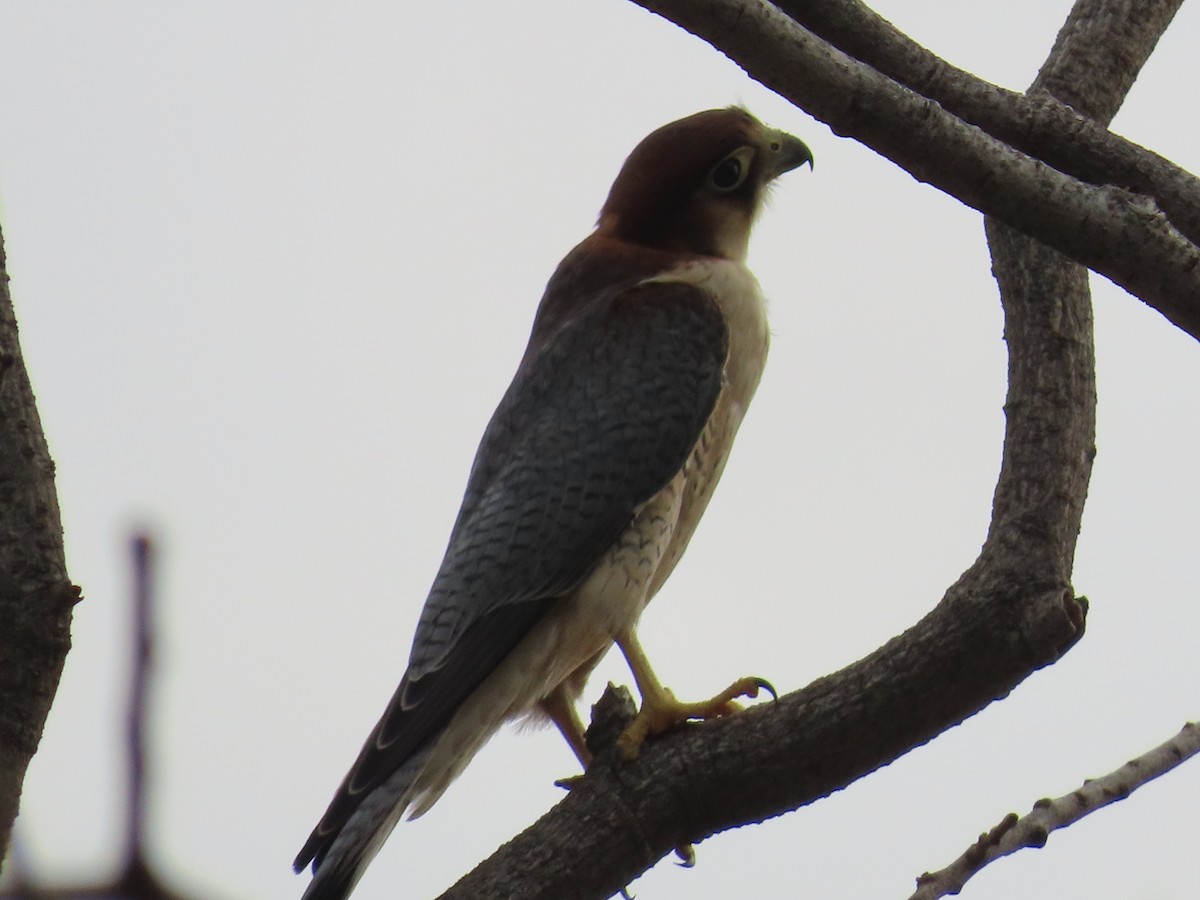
point(580, 628)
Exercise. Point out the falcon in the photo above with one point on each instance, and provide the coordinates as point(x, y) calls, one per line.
point(646, 350)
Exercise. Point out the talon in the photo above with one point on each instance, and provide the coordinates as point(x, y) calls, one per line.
point(569, 782)
point(625, 895)
point(768, 687)
point(687, 856)
point(661, 711)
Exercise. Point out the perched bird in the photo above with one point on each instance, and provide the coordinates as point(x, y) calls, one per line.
point(589, 481)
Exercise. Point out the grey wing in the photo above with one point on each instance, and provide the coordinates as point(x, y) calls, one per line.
point(601, 414)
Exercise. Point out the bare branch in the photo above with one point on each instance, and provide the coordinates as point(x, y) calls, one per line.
point(997, 624)
point(1010, 613)
point(137, 877)
point(36, 597)
point(1031, 275)
point(1054, 129)
point(1113, 231)
point(136, 866)
point(1034, 828)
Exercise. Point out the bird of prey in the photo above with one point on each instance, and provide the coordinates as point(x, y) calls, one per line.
point(590, 479)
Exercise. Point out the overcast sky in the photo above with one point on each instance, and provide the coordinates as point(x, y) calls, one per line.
point(274, 264)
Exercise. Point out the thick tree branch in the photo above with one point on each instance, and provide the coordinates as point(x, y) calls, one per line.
point(994, 627)
point(1034, 828)
point(1113, 231)
point(1046, 298)
point(36, 596)
point(1095, 59)
point(1052, 129)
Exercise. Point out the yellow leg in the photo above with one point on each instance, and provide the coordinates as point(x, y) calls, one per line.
point(562, 712)
point(660, 710)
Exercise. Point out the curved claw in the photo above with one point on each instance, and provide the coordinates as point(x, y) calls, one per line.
point(687, 856)
point(660, 711)
point(765, 685)
point(568, 783)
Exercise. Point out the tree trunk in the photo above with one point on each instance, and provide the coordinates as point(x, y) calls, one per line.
point(36, 597)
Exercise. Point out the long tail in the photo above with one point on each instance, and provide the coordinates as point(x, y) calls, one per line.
point(340, 858)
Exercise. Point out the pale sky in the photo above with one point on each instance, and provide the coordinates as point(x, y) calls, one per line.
point(274, 264)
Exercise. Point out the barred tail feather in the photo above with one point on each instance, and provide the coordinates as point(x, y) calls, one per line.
point(339, 860)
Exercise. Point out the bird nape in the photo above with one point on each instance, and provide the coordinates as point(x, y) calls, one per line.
point(646, 349)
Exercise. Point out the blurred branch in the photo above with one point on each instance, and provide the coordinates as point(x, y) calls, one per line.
point(1034, 828)
point(135, 814)
point(137, 879)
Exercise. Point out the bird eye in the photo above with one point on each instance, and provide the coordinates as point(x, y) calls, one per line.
point(730, 172)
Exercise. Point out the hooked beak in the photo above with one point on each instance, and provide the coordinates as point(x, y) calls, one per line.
point(785, 153)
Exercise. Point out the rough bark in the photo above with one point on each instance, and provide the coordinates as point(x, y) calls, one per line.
point(137, 876)
point(994, 627)
point(36, 597)
point(1049, 126)
point(1047, 302)
point(1011, 613)
point(1110, 228)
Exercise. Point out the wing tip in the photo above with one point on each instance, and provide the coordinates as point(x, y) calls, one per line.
point(332, 883)
point(307, 854)
point(341, 849)
point(333, 878)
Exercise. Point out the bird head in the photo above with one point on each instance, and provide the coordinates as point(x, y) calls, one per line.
point(696, 185)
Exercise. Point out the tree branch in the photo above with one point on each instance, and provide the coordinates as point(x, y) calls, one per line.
point(136, 867)
point(1051, 128)
point(1113, 231)
point(1034, 828)
point(36, 597)
point(1041, 291)
point(1093, 63)
point(137, 878)
point(993, 628)
point(1012, 612)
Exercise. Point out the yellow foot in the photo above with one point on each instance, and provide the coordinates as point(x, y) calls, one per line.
point(661, 711)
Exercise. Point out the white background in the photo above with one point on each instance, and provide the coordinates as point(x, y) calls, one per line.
point(274, 264)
